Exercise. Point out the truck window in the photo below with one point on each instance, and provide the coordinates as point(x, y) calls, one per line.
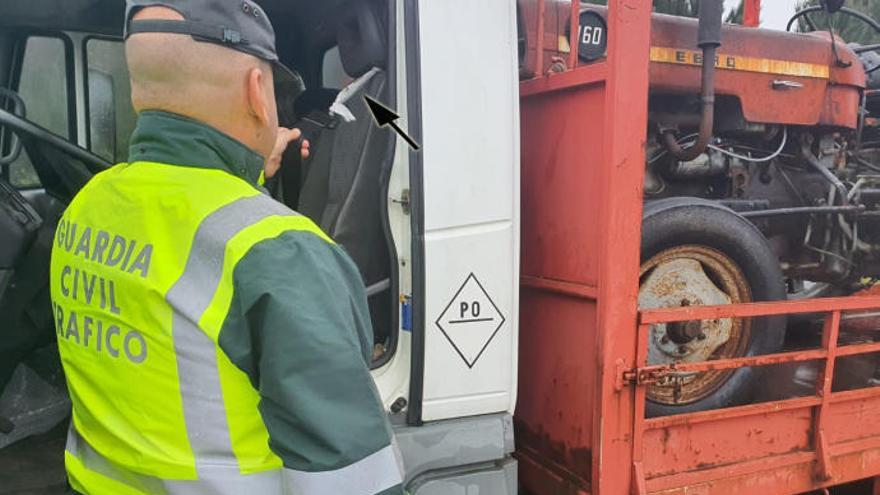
point(43, 85)
point(111, 115)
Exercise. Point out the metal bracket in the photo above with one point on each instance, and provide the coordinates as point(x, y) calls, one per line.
point(621, 374)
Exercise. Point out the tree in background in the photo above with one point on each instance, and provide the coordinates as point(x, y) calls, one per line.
point(736, 15)
point(847, 27)
point(685, 8)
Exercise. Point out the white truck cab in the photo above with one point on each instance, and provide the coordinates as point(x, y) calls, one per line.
point(435, 231)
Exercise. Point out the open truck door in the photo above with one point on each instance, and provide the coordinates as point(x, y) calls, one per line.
point(464, 191)
point(467, 225)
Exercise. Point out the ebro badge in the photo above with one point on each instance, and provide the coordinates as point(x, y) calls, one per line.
point(470, 320)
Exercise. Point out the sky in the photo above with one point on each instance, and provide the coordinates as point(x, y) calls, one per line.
point(774, 13)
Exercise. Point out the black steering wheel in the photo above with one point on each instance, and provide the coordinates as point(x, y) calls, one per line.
point(62, 166)
point(13, 149)
point(805, 14)
point(29, 130)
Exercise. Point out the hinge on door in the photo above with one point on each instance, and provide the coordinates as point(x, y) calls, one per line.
point(404, 201)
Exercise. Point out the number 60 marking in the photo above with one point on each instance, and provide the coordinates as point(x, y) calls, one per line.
point(591, 35)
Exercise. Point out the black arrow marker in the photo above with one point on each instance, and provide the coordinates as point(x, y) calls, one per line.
point(385, 116)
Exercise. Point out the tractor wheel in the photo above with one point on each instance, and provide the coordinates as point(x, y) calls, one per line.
point(696, 252)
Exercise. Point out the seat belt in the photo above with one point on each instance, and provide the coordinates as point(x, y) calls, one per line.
point(338, 107)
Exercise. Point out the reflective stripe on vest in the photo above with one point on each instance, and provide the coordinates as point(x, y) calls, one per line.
point(216, 479)
point(373, 474)
point(200, 386)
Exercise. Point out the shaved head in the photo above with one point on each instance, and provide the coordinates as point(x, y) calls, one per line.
point(226, 89)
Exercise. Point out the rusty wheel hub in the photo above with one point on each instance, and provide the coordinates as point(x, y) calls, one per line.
point(693, 275)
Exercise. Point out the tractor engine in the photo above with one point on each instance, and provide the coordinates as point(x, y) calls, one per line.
point(790, 149)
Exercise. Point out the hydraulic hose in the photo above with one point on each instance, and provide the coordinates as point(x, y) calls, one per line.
point(814, 162)
point(709, 39)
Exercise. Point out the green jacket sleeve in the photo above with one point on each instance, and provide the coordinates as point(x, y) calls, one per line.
point(299, 327)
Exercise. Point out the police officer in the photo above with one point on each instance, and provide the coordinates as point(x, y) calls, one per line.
point(214, 341)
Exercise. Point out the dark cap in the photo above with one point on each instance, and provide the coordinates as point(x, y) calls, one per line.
point(237, 24)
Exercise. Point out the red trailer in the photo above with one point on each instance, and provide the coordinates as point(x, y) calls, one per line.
point(581, 426)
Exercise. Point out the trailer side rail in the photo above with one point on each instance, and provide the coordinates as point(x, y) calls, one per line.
point(775, 431)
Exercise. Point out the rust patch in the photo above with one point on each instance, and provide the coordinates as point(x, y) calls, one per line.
point(863, 322)
point(555, 456)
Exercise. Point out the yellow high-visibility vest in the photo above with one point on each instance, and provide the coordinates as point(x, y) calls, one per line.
point(141, 270)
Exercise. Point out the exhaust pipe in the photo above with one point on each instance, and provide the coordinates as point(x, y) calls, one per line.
point(709, 39)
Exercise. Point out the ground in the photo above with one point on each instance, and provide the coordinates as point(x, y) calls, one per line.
point(35, 466)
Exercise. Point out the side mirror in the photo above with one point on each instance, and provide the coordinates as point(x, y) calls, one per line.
point(832, 6)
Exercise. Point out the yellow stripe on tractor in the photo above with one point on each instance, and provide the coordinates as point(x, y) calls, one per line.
point(741, 63)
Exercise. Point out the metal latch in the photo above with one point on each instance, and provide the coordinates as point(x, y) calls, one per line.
point(651, 375)
point(643, 376)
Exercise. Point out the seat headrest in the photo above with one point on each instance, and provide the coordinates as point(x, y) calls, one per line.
point(362, 39)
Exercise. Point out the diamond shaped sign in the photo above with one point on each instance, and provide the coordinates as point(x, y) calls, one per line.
point(470, 320)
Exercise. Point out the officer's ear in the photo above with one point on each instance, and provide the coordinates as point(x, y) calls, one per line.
point(258, 95)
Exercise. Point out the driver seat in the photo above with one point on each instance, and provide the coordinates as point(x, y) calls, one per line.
point(342, 186)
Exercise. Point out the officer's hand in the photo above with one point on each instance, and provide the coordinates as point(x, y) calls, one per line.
point(285, 137)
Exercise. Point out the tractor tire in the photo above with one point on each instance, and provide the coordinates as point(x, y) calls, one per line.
point(716, 257)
